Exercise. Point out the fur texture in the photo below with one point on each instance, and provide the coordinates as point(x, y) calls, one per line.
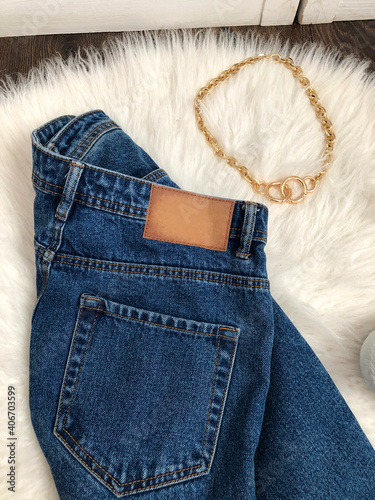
point(321, 258)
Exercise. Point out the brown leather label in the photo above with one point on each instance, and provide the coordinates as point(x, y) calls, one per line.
point(179, 216)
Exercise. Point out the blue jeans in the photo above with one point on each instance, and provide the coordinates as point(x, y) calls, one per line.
point(161, 367)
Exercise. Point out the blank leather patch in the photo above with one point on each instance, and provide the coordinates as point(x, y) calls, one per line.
point(187, 218)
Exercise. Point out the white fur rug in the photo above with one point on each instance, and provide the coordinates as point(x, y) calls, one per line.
point(321, 257)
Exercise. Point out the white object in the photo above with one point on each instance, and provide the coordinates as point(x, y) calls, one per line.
point(367, 360)
point(320, 253)
point(278, 12)
point(318, 11)
point(35, 17)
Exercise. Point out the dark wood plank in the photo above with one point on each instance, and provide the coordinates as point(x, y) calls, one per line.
point(19, 54)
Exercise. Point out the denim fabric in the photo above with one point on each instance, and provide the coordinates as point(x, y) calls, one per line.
point(163, 370)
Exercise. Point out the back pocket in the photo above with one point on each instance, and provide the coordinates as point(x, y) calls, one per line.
point(143, 394)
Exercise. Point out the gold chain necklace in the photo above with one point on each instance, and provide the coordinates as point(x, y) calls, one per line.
point(284, 192)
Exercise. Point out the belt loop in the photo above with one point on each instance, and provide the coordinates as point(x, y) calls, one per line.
point(63, 209)
point(247, 232)
point(70, 188)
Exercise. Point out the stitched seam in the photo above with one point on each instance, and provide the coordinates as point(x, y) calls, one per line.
point(72, 189)
point(166, 275)
point(166, 473)
point(46, 182)
point(222, 400)
point(243, 231)
point(113, 203)
point(70, 124)
point(213, 273)
point(96, 169)
point(96, 204)
point(171, 480)
point(110, 124)
point(160, 475)
point(266, 287)
point(157, 177)
point(63, 198)
point(57, 119)
point(80, 368)
point(159, 324)
point(67, 371)
point(250, 233)
point(64, 261)
point(86, 195)
point(154, 175)
point(129, 491)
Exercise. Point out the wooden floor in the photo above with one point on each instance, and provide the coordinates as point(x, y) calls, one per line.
point(19, 54)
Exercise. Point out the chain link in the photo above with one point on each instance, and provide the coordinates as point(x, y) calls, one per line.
point(282, 189)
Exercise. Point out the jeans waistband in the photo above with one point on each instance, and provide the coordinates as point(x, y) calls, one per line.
point(65, 142)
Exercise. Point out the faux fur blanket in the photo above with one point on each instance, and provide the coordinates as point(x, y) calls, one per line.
point(321, 258)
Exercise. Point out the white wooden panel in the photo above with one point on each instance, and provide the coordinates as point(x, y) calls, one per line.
point(277, 12)
point(318, 11)
point(353, 9)
point(34, 17)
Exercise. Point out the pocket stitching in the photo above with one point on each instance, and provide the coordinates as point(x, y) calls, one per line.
point(233, 339)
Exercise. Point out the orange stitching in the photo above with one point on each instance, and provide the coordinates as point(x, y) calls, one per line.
point(47, 125)
point(160, 475)
point(111, 124)
point(160, 274)
point(50, 183)
point(62, 132)
point(111, 202)
point(62, 196)
point(222, 399)
point(129, 491)
point(166, 473)
point(80, 368)
point(66, 377)
point(95, 204)
point(160, 324)
point(157, 176)
point(212, 393)
point(71, 191)
point(87, 195)
point(96, 169)
point(130, 482)
point(152, 266)
point(63, 261)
